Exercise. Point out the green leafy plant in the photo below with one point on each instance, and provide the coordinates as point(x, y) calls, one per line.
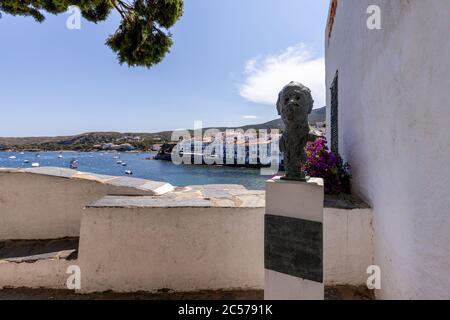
point(142, 38)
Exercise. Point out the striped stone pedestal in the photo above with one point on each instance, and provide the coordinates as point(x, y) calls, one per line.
point(293, 240)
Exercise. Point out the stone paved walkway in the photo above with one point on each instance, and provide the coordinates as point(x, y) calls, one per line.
point(332, 293)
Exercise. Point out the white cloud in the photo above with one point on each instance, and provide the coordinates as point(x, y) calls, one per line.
point(250, 117)
point(267, 75)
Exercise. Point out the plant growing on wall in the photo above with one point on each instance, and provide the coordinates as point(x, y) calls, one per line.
point(322, 163)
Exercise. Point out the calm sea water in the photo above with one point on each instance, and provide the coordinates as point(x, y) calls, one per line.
point(105, 163)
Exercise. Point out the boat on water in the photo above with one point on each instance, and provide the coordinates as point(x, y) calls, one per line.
point(124, 164)
point(12, 157)
point(22, 153)
point(73, 164)
point(26, 161)
point(119, 162)
point(60, 156)
point(35, 164)
point(129, 172)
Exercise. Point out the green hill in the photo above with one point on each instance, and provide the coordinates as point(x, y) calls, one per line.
point(141, 141)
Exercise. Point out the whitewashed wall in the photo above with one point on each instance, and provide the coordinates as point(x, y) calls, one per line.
point(43, 207)
point(47, 203)
point(46, 273)
point(348, 246)
point(183, 249)
point(120, 247)
point(184, 243)
point(394, 121)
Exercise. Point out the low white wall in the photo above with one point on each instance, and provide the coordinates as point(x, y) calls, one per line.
point(43, 207)
point(201, 237)
point(205, 248)
point(348, 245)
point(47, 203)
point(131, 249)
point(183, 249)
point(49, 273)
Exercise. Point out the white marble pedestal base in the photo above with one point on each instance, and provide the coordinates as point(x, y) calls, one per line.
point(294, 240)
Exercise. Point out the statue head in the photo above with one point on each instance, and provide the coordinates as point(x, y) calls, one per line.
point(294, 103)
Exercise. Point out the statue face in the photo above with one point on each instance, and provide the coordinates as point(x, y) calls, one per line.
point(294, 104)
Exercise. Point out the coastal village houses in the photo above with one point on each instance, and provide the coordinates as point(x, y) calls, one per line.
point(388, 113)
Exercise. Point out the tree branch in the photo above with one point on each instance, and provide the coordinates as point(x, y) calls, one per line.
point(116, 6)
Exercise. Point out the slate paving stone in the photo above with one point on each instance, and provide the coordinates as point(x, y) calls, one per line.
point(128, 182)
point(219, 187)
point(213, 193)
point(148, 202)
point(240, 192)
point(223, 203)
point(250, 201)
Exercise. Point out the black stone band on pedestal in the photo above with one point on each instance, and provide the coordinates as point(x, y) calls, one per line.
point(294, 247)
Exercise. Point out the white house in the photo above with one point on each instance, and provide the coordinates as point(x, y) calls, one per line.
point(389, 116)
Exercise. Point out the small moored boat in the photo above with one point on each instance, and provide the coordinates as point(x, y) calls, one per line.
point(73, 164)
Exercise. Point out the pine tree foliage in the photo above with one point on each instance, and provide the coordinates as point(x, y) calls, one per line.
point(142, 38)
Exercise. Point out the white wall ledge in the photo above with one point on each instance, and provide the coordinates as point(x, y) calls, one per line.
point(134, 186)
point(345, 201)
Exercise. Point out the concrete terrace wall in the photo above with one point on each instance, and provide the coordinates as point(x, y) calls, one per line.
point(393, 129)
point(197, 238)
point(139, 243)
point(189, 242)
point(186, 249)
point(348, 250)
point(348, 245)
point(47, 203)
point(45, 273)
point(192, 238)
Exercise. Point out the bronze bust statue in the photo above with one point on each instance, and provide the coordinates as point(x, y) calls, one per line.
point(294, 105)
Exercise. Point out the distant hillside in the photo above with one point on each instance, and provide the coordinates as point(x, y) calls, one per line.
point(141, 141)
point(317, 115)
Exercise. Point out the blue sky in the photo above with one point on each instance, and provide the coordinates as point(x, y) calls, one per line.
point(229, 60)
